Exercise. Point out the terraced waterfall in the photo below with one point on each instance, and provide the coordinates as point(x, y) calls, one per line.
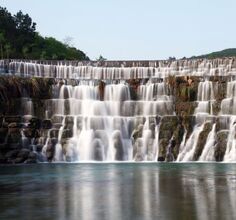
point(182, 110)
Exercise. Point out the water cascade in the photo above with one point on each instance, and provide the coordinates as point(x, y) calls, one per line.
point(228, 109)
point(205, 98)
point(208, 150)
point(181, 110)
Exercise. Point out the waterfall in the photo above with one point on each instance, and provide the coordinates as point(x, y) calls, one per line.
point(125, 110)
point(189, 148)
point(58, 152)
point(208, 150)
point(103, 126)
point(228, 108)
point(123, 70)
point(230, 153)
point(205, 97)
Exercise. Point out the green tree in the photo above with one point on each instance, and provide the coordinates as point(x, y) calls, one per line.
point(101, 58)
point(18, 34)
point(25, 51)
point(7, 25)
point(43, 55)
point(8, 50)
point(2, 39)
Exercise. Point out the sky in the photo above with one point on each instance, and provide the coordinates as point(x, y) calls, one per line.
point(135, 29)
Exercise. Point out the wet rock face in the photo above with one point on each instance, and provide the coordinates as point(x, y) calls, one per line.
point(168, 128)
point(16, 136)
point(202, 140)
point(118, 146)
point(186, 89)
point(101, 88)
point(221, 140)
point(22, 156)
point(19, 156)
point(47, 124)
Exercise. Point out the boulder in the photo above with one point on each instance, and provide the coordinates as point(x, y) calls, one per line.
point(47, 124)
point(11, 119)
point(14, 136)
point(11, 154)
point(50, 149)
point(1, 121)
point(35, 123)
point(98, 150)
point(139, 157)
point(2, 158)
point(3, 134)
point(39, 147)
point(163, 145)
point(54, 133)
point(57, 119)
point(30, 161)
point(220, 148)
point(31, 133)
point(161, 158)
point(118, 145)
point(67, 133)
point(14, 125)
point(23, 154)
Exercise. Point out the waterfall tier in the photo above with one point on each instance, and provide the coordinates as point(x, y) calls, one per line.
point(120, 69)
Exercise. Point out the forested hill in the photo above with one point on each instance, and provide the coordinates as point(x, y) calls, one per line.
point(19, 39)
point(219, 54)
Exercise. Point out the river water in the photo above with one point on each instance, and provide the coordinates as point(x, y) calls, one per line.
point(118, 191)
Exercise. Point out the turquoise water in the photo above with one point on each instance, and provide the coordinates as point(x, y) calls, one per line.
point(118, 191)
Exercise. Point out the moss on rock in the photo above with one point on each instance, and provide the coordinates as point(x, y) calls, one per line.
point(221, 139)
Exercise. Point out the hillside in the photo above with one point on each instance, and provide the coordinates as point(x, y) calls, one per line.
point(19, 39)
point(219, 54)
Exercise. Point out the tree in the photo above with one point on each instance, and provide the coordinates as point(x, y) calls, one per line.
point(8, 50)
point(2, 39)
point(7, 25)
point(24, 23)
point(172, 59)
point(19, 39)
point(101, 58)
point(43, 55)
point(25, 31)
point(25, 51)
point(68, 41)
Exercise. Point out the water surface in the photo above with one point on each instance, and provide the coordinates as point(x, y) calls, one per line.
point(118, 191)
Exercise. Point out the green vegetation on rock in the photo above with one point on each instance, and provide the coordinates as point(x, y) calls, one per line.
point(231, 52)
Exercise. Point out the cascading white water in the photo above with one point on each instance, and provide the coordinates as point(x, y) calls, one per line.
point(205, 97)
point(27, 106)
point(187, 152)
point(98, 114)
point(230, 153)
point(155, 69)
point(228, 105)
point(58, 151)
point(208, 150)
point(228, 110)
point(103, 126)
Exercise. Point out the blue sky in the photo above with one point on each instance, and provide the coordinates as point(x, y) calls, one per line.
point(135, 29)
